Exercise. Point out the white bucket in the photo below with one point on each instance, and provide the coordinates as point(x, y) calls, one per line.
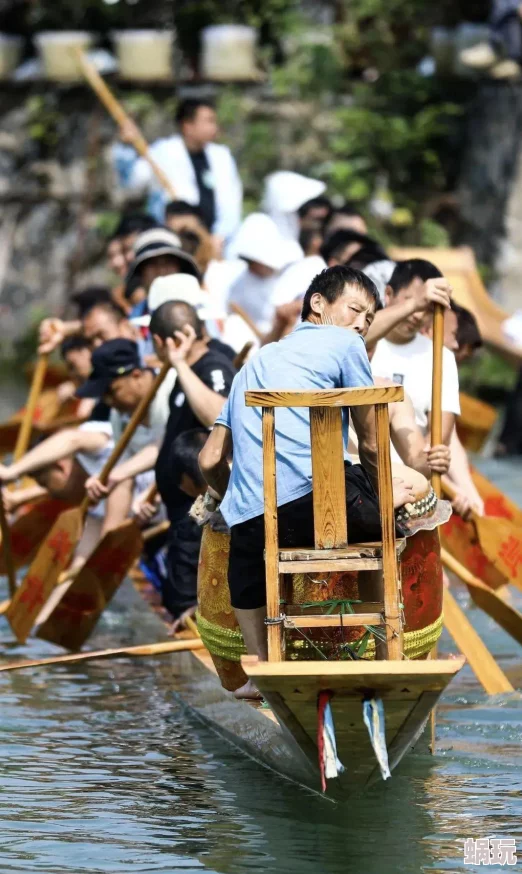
point(10, 51)
point(144, 54)
point(229, 53)
point(58, 59)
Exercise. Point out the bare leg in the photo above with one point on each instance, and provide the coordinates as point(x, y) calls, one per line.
point(252, 624)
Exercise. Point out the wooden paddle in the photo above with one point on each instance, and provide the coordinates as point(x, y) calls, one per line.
point(121, 118)
point(6, 549)
point(487, 599)
point(55, 553)
point(239, 311)
point(477, 654)
point(500, 540)
point(24, 434)
point(456, 622)
point(29, 529)
point(75, 606)
point(150, 649)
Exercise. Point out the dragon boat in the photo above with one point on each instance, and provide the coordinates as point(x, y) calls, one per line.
point(349, 685)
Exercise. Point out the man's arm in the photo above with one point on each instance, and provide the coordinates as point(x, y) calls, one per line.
point(52, 332)
point(410, 442)
point(433, 291)
point(118, 506)
point(144, 460)
point(205, 403)
point(56, 447)
point(213, 460)
point(460, 477)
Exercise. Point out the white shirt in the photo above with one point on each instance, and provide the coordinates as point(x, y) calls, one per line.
point(255, 295)
point(171, 154)
point(411, 365)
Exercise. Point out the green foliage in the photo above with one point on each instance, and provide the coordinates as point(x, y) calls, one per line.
point(487, 370)
point(43, 120)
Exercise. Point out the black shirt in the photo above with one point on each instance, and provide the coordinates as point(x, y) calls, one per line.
point(216, 372)
point(216, 345)
point(205, 183)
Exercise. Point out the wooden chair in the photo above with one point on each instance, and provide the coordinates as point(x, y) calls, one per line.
point(331, 551)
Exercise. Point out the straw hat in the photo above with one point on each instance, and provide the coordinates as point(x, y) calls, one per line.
point(160, 241)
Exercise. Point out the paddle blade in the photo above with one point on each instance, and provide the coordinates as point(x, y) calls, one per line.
point(51, 559)
point(461, 540)
point(501, 542)
point(73, 619)
point(496, 503)
point(29, 529)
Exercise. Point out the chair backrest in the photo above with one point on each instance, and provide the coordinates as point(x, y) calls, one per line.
point(326, 440)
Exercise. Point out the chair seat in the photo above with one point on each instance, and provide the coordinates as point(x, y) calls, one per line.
point(355, 557)
point(354, 550)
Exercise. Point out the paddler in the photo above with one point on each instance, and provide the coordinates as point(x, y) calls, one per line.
point(202, 172)
point(326, 350)
point(203, 380)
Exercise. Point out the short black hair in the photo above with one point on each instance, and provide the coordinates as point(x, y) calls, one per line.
point(330, 284)
point(107, 306)
point(172, 316)
point(187, 109)
point(335, 243)
point(184, 455)
point(134, 223)
point(468, 332)
point(347, 209)
point(181, 207)
point(72, 343)
point(365, 256)
point(314, 203)
point(89, 297)
point(406, 271)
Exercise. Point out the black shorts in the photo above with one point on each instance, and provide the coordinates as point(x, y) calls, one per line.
point(246, 571)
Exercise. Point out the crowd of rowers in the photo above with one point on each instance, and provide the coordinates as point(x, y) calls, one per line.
point(326, 309)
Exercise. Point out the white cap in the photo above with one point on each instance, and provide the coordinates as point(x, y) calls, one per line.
point(178, 286)
point(286, 191)
point(259, 239)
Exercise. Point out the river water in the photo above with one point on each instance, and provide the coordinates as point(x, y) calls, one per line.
point(101, 770)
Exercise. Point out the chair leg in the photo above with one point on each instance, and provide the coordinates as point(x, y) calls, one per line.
point(275, 627)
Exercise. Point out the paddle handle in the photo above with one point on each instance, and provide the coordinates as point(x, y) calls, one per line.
point(119, 115)
point(6, 548)
point(144, 650)
point(239, 311)
point(135, 420)
point(24, 434)
point(436, 388)
point(457, 568)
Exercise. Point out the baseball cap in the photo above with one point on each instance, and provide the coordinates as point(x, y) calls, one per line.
point(178, 286)
point(160, 241)
point(109, 361)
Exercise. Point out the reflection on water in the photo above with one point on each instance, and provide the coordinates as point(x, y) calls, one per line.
point(102, 771)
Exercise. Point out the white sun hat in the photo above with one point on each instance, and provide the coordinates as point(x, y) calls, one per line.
point(259, 239)
point(284, 193)
point(182, 287)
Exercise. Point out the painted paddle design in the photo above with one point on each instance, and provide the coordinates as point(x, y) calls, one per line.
point(56, 552)
point(500, 540)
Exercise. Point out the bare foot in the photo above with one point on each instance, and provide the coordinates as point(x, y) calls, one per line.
point(248, 691)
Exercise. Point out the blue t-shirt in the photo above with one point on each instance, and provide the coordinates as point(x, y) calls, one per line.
point(311, 357)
